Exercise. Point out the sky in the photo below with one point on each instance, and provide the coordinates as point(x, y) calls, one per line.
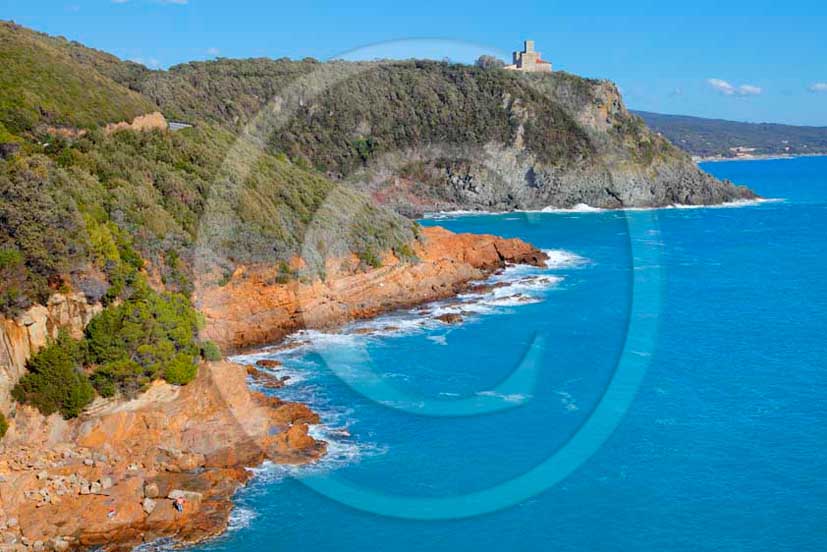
point(757, 61)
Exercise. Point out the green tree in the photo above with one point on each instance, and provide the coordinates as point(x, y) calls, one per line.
point(4, 425)
point(148, 335)
point(210, 351)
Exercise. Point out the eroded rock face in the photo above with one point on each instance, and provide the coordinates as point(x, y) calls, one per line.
point(111, 477)
point(24, 335)
point(252, 310)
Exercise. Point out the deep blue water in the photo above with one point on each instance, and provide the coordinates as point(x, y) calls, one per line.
point(723, 447)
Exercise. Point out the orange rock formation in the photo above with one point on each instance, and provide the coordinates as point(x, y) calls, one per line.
point(252, 309)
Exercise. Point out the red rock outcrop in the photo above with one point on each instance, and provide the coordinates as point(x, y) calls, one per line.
point(110, 477)
point(252, 309)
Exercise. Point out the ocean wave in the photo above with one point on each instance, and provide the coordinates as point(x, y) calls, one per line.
point(567, 401)
point(341, 452)
point(731, 204)
point(560, 258)
point(510, 397)
point(579, 208)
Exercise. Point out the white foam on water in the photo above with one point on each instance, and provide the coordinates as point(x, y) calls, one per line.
point(730, 204)
point(585, 208)
point(568, 401)
point(157, 545)
point(439, 339)
point(510, 397)
point(560, 258)
point(240, 518)
point(341, 452)
point(438, 215)
point(579, 208)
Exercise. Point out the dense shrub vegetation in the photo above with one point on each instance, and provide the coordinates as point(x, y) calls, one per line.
point(56, 381)
point(4, 425)
point(149, 335)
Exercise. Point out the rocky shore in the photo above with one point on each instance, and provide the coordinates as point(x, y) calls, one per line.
point(111, 478)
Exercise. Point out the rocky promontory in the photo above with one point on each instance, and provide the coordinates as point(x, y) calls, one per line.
point(254, 309)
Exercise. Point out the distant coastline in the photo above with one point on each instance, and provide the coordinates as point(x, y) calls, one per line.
point(755, 157)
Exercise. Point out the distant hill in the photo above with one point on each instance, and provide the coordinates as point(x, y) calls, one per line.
point(720, 138)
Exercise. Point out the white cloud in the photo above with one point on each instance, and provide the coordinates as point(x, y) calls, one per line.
point(213, 51)
point(749, 90)
point(818, 87)
point(728, 89)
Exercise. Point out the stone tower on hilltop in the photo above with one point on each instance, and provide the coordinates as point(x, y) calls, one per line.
point(529, 60)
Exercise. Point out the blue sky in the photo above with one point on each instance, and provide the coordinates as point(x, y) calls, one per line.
point(750, 61)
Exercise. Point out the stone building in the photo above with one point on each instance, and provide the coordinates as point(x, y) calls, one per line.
point(529, 60)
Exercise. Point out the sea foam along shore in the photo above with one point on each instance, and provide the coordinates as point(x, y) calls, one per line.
point(583, 208)
point(757, 157)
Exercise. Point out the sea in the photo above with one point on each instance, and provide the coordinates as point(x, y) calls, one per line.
point(659, 386)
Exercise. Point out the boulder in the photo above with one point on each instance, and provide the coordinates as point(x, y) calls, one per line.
point(268, 363)
point(449, 318)
point(151, 490)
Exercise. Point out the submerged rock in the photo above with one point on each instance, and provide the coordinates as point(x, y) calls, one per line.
point(450, 318)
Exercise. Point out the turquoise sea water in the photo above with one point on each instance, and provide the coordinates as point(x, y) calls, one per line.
point(723, 447)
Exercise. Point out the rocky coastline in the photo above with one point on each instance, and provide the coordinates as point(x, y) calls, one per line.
point(110, 478)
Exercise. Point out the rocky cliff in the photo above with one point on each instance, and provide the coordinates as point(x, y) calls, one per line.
point(594, 152)
point(23, 336)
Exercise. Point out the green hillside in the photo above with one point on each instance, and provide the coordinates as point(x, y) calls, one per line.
point(43, 82)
